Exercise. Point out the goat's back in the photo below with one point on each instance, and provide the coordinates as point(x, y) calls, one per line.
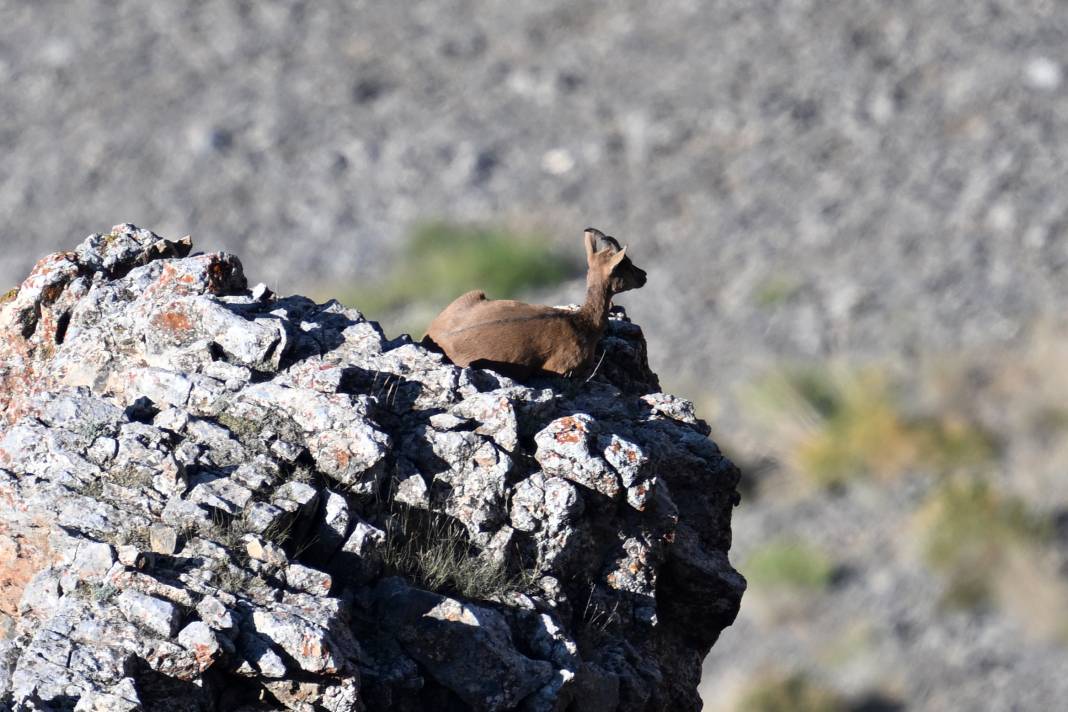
point(473, 329)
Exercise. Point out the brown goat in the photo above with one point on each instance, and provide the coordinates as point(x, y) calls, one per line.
point(519, 339)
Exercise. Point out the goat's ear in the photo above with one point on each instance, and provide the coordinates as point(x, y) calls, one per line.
point(591, 242)
point(617, 258)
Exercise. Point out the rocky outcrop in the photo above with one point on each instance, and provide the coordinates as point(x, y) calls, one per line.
point(214, 498)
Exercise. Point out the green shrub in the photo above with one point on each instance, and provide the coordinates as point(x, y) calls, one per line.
point(775, 291)
point(845, 424)
point(789, 565)
point(790, 693)
point(442, 261)
point(969, 532)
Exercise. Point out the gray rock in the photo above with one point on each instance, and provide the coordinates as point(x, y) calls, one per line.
point(129, 555)
point(220, 493)
point(473, 484)
point(564, 451)
point(163, 539)
point(410, 488)
point(307, 579)
point(122, 697)
point(343, 443)
point(180, 513)
point(190, 426)
point(202, 641)
point(316, 648)
point(496, 416)
point(90, 562)
point(266, 551)
point(262, 517)
point(333, 697)
point(161, 617)
point(332, 528)
point(490, 675)
point(301, 494)
point(258, 659)
point(359, 558)
point(159, 385)
point(215, 614)
point(257, 475)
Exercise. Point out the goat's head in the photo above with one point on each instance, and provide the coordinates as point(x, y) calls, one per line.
point(608, 261)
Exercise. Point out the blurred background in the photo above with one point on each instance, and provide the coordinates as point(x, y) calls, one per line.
point(852, 212)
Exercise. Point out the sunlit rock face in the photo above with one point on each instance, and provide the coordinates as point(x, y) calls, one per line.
point(215, 498)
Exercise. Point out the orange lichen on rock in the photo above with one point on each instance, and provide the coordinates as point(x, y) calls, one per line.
point(21, 557)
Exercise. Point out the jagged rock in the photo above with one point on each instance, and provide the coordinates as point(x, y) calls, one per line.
point(215, 614)
point(258, 658)
point(564, 451)
point(157, 615)
point(261, 517)
point(312, 631)
point(212, 497)
point(265, 551)
point(332, 528)
point(490, 674)
point(122, 697)
point(163, 539)
point(360, 557)
point(333, 428)
point(307, 579)
point(200, 640)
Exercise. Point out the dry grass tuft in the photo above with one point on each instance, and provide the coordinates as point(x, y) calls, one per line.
point(434, 551)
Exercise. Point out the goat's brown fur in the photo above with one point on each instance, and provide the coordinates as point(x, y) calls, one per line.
point(519, 339)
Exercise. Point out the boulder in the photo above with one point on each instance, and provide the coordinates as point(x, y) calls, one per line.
point(212, 496)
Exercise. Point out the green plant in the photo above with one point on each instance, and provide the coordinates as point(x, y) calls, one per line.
point(303, 473)
point(97, 592)
point(103, 592)
point(789, 693)
point(970, 531)
point(775, 291)
point(279, 532)
point(1049, 421)
point(137, 536)
point(790, 565)
point(846, 645)
point(93, 488)
point(843, 424)
point(442, 261)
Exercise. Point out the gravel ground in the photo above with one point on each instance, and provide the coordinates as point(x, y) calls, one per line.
point(802, 179)
point(879, 633)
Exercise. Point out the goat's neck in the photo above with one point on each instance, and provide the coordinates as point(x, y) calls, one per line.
point(594, 311)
